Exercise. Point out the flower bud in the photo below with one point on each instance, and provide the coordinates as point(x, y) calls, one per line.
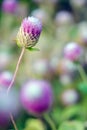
point(29, 32)
point(37, 96)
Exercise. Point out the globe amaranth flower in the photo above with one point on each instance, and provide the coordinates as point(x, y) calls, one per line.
point(37, 96)
point(29, 32)
point(73, 51)
point(9, 6)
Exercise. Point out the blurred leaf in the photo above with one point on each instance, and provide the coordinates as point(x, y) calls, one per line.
point(34, 124)
point(56, 114)
point(72, 125)
point(82, 87)
point(70, 112)
point(33, 49)
point(73, 32)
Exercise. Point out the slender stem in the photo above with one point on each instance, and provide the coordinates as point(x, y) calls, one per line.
point(16, 70)
point(82, 73)
point(13, 122)
point(14, 76)
point(51, 123)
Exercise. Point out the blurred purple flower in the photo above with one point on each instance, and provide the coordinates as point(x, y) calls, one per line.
point(9, 6)
point(5, 78)
point(37, 96)
point(73, 51)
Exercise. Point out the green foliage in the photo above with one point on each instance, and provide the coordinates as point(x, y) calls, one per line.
point(34, 124)
point(82, 87)
point(72, 125)
point(70, 112)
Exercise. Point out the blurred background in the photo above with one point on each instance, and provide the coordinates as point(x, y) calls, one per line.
point(64, 22)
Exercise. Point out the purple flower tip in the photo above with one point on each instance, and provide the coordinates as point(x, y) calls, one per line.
point(32, 25)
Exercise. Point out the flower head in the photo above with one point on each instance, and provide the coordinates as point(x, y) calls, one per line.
point(36, 96)
point(29, 32)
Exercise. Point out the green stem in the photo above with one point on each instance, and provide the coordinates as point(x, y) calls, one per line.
point(16, 70)
point(51, 123)
point(12, 82)
point(84, 78)
point(82, 73)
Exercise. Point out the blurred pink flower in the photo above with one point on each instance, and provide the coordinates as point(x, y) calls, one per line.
point(9, 6)
point(73, 51)
point(5, 78)
point(37, 96)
